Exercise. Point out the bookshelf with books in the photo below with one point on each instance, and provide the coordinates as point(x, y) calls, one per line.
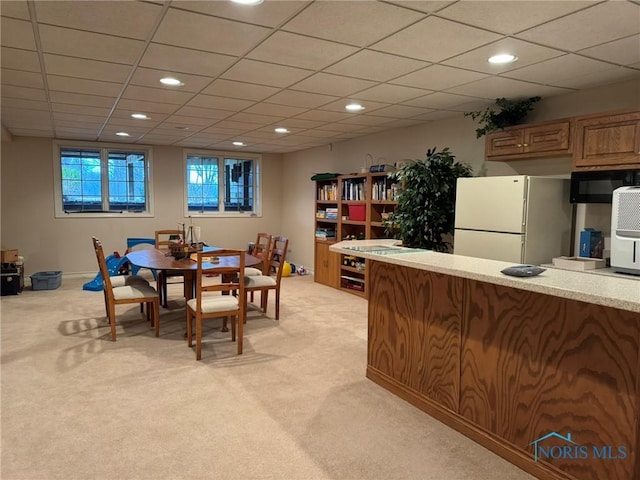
point(326, 230)
point(350, 207)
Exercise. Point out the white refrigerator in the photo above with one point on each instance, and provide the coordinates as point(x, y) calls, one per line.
point(520, 219)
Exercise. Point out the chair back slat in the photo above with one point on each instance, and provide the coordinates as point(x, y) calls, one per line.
point(230, 275)
point(262, 250)
point(278, 255)
point(102, 265)
point(164, 237)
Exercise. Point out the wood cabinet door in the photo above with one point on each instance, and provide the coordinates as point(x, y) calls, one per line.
point(554, 137)
point(326, 265)
point(608, 140)
point(504, 142)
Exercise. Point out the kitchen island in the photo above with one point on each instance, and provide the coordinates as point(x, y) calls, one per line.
point(541, 370)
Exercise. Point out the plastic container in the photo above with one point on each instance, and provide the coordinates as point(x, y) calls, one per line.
point(46, 280)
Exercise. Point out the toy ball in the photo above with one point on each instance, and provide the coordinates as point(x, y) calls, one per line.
point(301, 270)
point(293, 268)
point(286, 269)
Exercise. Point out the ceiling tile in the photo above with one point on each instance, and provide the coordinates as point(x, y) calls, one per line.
point(124, 19)
point(560, 71)
point(625, 51)
point(510, 16)
point(527, 54)
point(237, 126)
point(275, 110)
point(14, 91)
point(80, 109)
point(355, 23)
point(332, 84)
point(24, 104)
point(80, 99)
point(216, 130)
point(438, 77)
point(391, 93)
point(497, 87)
point(220, 103)
point(140, 106)
point(606, 21)
point(300, 123)
point(326, 116)
point(317, 133)
point(20, 59)
point(94, 46)
point(80, 85)
point(234, 89)
point(301, 99)
point(308, 52)
point(425, 6)
point(265, 73)
point(84, 68)
point(148, 77)
point(402, 122)
point(17, 33)
point(126, 120)
point(194, 30)
point(440, 100)
point(181, 60)
point(602, 77)
point(434, 39)
point(21, 78)
point(401, 111)
point(341, 128)
point(72, 118)
point(193, 142)
point(365, 120)
point(437, 115)
point(204, 112)
point(160, 95)
point(188, 120)
point(254, 118)
point(16, 9)
point(269, 13)
point(377, 66)
point(77, 133)
point(32, 132)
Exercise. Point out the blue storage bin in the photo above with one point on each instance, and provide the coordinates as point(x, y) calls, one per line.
point(46, 280)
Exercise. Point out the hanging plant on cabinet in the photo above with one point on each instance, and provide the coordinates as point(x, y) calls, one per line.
point(507, 113)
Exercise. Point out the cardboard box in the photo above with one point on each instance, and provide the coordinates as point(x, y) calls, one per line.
point(591, 243)
point(8, 256)
point(579, 263)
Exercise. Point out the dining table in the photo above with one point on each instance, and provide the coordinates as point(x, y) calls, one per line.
point(162, 261)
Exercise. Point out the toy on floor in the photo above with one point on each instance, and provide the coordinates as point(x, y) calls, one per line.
point(116, 265)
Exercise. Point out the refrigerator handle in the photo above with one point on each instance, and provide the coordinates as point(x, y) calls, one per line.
point(524, 212)
point(522, 244)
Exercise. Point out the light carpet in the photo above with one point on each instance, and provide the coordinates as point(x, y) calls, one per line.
point(295, 405)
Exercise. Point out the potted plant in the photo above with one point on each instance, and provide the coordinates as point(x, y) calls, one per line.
point(509, 112)
point(426, 200)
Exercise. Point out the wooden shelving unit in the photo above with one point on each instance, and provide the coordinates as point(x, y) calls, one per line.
point(363, 202)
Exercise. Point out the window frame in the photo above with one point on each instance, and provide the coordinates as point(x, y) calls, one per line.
point(221, 156)
point(104, 148)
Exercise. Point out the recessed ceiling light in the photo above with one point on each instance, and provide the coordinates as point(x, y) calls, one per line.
point(354, 107)
point(174, 82)
point(503, 58)
point(139, 116)
point(248, 2)
point(282, 130)
point(122, 134)
point(238, 144)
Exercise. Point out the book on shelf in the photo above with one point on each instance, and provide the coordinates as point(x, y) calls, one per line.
point(331, 213)
point(328, 192)
point(325, 233)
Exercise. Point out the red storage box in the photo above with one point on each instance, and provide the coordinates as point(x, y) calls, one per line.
point(357, 212)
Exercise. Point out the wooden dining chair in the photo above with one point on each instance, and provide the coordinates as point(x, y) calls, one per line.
point(162, 240)
point(261, 250)
point(215, 300)
point(272, 277)
point(134, 293)
point(119, 281)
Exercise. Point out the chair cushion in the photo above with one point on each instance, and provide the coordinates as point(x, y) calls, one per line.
point(122, 280)
point(251, 272)
point(217, 303)
point(134, 291)
point(259, 281)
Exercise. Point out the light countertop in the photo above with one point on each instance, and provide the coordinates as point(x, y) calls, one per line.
point(622, 293)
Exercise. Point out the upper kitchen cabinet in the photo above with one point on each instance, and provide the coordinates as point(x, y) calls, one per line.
point(607, 140)
point(520, 142)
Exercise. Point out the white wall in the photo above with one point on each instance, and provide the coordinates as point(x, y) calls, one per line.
point(48, 243)
point(458, 133)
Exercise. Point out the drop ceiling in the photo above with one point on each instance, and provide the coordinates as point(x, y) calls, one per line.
point(78, 70)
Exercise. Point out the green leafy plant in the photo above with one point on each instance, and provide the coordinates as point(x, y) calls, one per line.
point(509, 112)
point(426, 200)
